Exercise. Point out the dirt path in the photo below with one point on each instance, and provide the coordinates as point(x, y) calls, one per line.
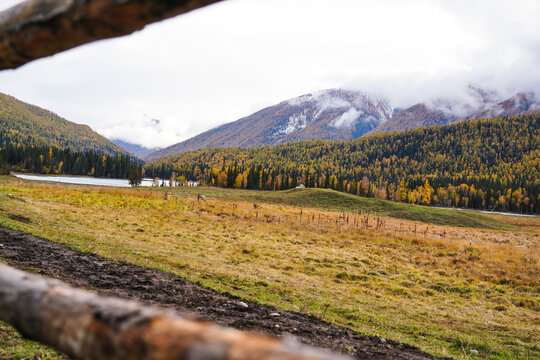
point(155, 287)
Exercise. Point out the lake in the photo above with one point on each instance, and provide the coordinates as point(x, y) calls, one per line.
point(85, 180)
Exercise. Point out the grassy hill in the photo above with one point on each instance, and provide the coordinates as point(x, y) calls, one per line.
point(28, 125)
point(332, 200)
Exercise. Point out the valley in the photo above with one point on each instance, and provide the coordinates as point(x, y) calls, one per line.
point(269, 180)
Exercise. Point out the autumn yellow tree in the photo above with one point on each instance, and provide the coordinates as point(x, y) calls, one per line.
point(238, 181)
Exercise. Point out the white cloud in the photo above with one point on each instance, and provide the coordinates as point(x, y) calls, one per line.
point(228, 60)
point(347, 119)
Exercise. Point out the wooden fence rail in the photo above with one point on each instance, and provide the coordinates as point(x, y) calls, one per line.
point(40, 28)
point(87, 326)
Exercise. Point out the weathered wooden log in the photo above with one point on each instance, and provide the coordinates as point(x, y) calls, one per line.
point(86, 326)
point(40, 28)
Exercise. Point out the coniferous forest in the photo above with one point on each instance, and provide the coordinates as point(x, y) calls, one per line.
point(23, 124)
point(52, 160)
point(485, 164)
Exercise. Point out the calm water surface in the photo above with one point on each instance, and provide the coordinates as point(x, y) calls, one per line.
point(85, 180)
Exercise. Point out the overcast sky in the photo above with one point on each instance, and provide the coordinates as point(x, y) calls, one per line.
point(223, 62)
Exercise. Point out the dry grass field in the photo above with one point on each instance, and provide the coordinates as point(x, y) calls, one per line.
point(447, 289)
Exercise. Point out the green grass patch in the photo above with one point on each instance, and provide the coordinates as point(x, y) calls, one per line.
point(14, 347)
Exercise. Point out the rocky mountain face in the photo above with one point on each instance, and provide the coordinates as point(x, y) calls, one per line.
point(339, 114)
point(330, 114)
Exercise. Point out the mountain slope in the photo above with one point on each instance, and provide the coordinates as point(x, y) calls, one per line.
point(134, 149)
point(346, 115)
point(330, 114)
point(518, 104)
point(419, 115)
point(481, 105)
point(29, 125)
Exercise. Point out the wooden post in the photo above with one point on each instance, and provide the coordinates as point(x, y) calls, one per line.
point(38, 28)
point(86, 326)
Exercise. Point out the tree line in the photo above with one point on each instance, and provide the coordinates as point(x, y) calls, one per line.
point(52, 160)
point(485, 164)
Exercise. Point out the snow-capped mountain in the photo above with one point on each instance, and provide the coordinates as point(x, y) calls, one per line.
point(518, 104)
point(477, 104)
point(339, 114)
point(334, 114)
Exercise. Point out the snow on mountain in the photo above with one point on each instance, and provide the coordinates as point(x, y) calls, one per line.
point(474, 103)
point(295, 122)
point(334, 114)
point(518, 104)
point(339, 114)
point(348, 107)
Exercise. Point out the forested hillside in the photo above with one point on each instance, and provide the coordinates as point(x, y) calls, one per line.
point(484, 164)
point(22, 124)
point(50, 160)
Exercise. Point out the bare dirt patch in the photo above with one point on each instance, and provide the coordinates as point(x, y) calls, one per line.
point(20, 218)
point(155, 287)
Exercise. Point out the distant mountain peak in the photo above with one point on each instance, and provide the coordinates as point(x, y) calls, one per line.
point(476, 103)
point(518, 104)
point(473, 100)
point(355, 106)
point(485, 96)
point(344, 114)
point(134, 149)
point(333, 114)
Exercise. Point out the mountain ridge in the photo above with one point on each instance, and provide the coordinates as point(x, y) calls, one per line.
point(333, 114)
point(25, 124)
point(341, 114)
point(134, 149)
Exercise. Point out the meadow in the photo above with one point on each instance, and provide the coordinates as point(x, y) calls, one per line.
point(444, 280)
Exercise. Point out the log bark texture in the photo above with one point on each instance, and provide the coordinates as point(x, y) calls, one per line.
point(86, 326)
point(40, 28)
